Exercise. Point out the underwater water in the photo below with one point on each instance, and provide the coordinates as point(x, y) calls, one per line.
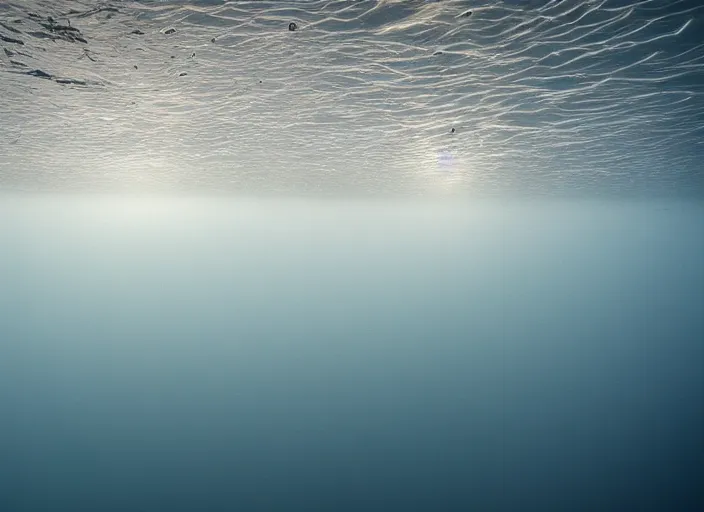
point(339, 255)
point(188, 354)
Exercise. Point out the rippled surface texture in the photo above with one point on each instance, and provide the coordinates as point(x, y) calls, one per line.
point(554, 97)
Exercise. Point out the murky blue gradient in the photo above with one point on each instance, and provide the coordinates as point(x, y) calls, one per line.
point(187, 355)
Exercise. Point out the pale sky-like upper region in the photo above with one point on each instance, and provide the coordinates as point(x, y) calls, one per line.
point(365, 97)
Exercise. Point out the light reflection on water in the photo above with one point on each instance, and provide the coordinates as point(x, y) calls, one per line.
point(557, 97)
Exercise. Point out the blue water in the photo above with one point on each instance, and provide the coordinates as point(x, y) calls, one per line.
point(223, 355)
point(491, 298)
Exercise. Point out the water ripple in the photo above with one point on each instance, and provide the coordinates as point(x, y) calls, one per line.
point(408, 97)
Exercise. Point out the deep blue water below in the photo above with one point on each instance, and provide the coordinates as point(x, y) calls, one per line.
point(187, 355)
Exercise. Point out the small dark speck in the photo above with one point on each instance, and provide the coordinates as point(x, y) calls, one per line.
point(136, 67)
point(173, 56)
point(138, 32)
point(260, 81)
point(292, 26)
point(182, 74)
point(169, 31)
point(452, 131)
point(212, 40)
point(437, 53)
point(193, 55)
point(467, 14)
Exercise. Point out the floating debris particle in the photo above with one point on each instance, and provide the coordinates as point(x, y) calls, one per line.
point(453, 130)
point(292, 26)
point(135, 67)
point(212, 40)
point(169, 31)
point(182, 74)
point(137, 32)
point(466, 14)
point(193, 55)
point(439, 52)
